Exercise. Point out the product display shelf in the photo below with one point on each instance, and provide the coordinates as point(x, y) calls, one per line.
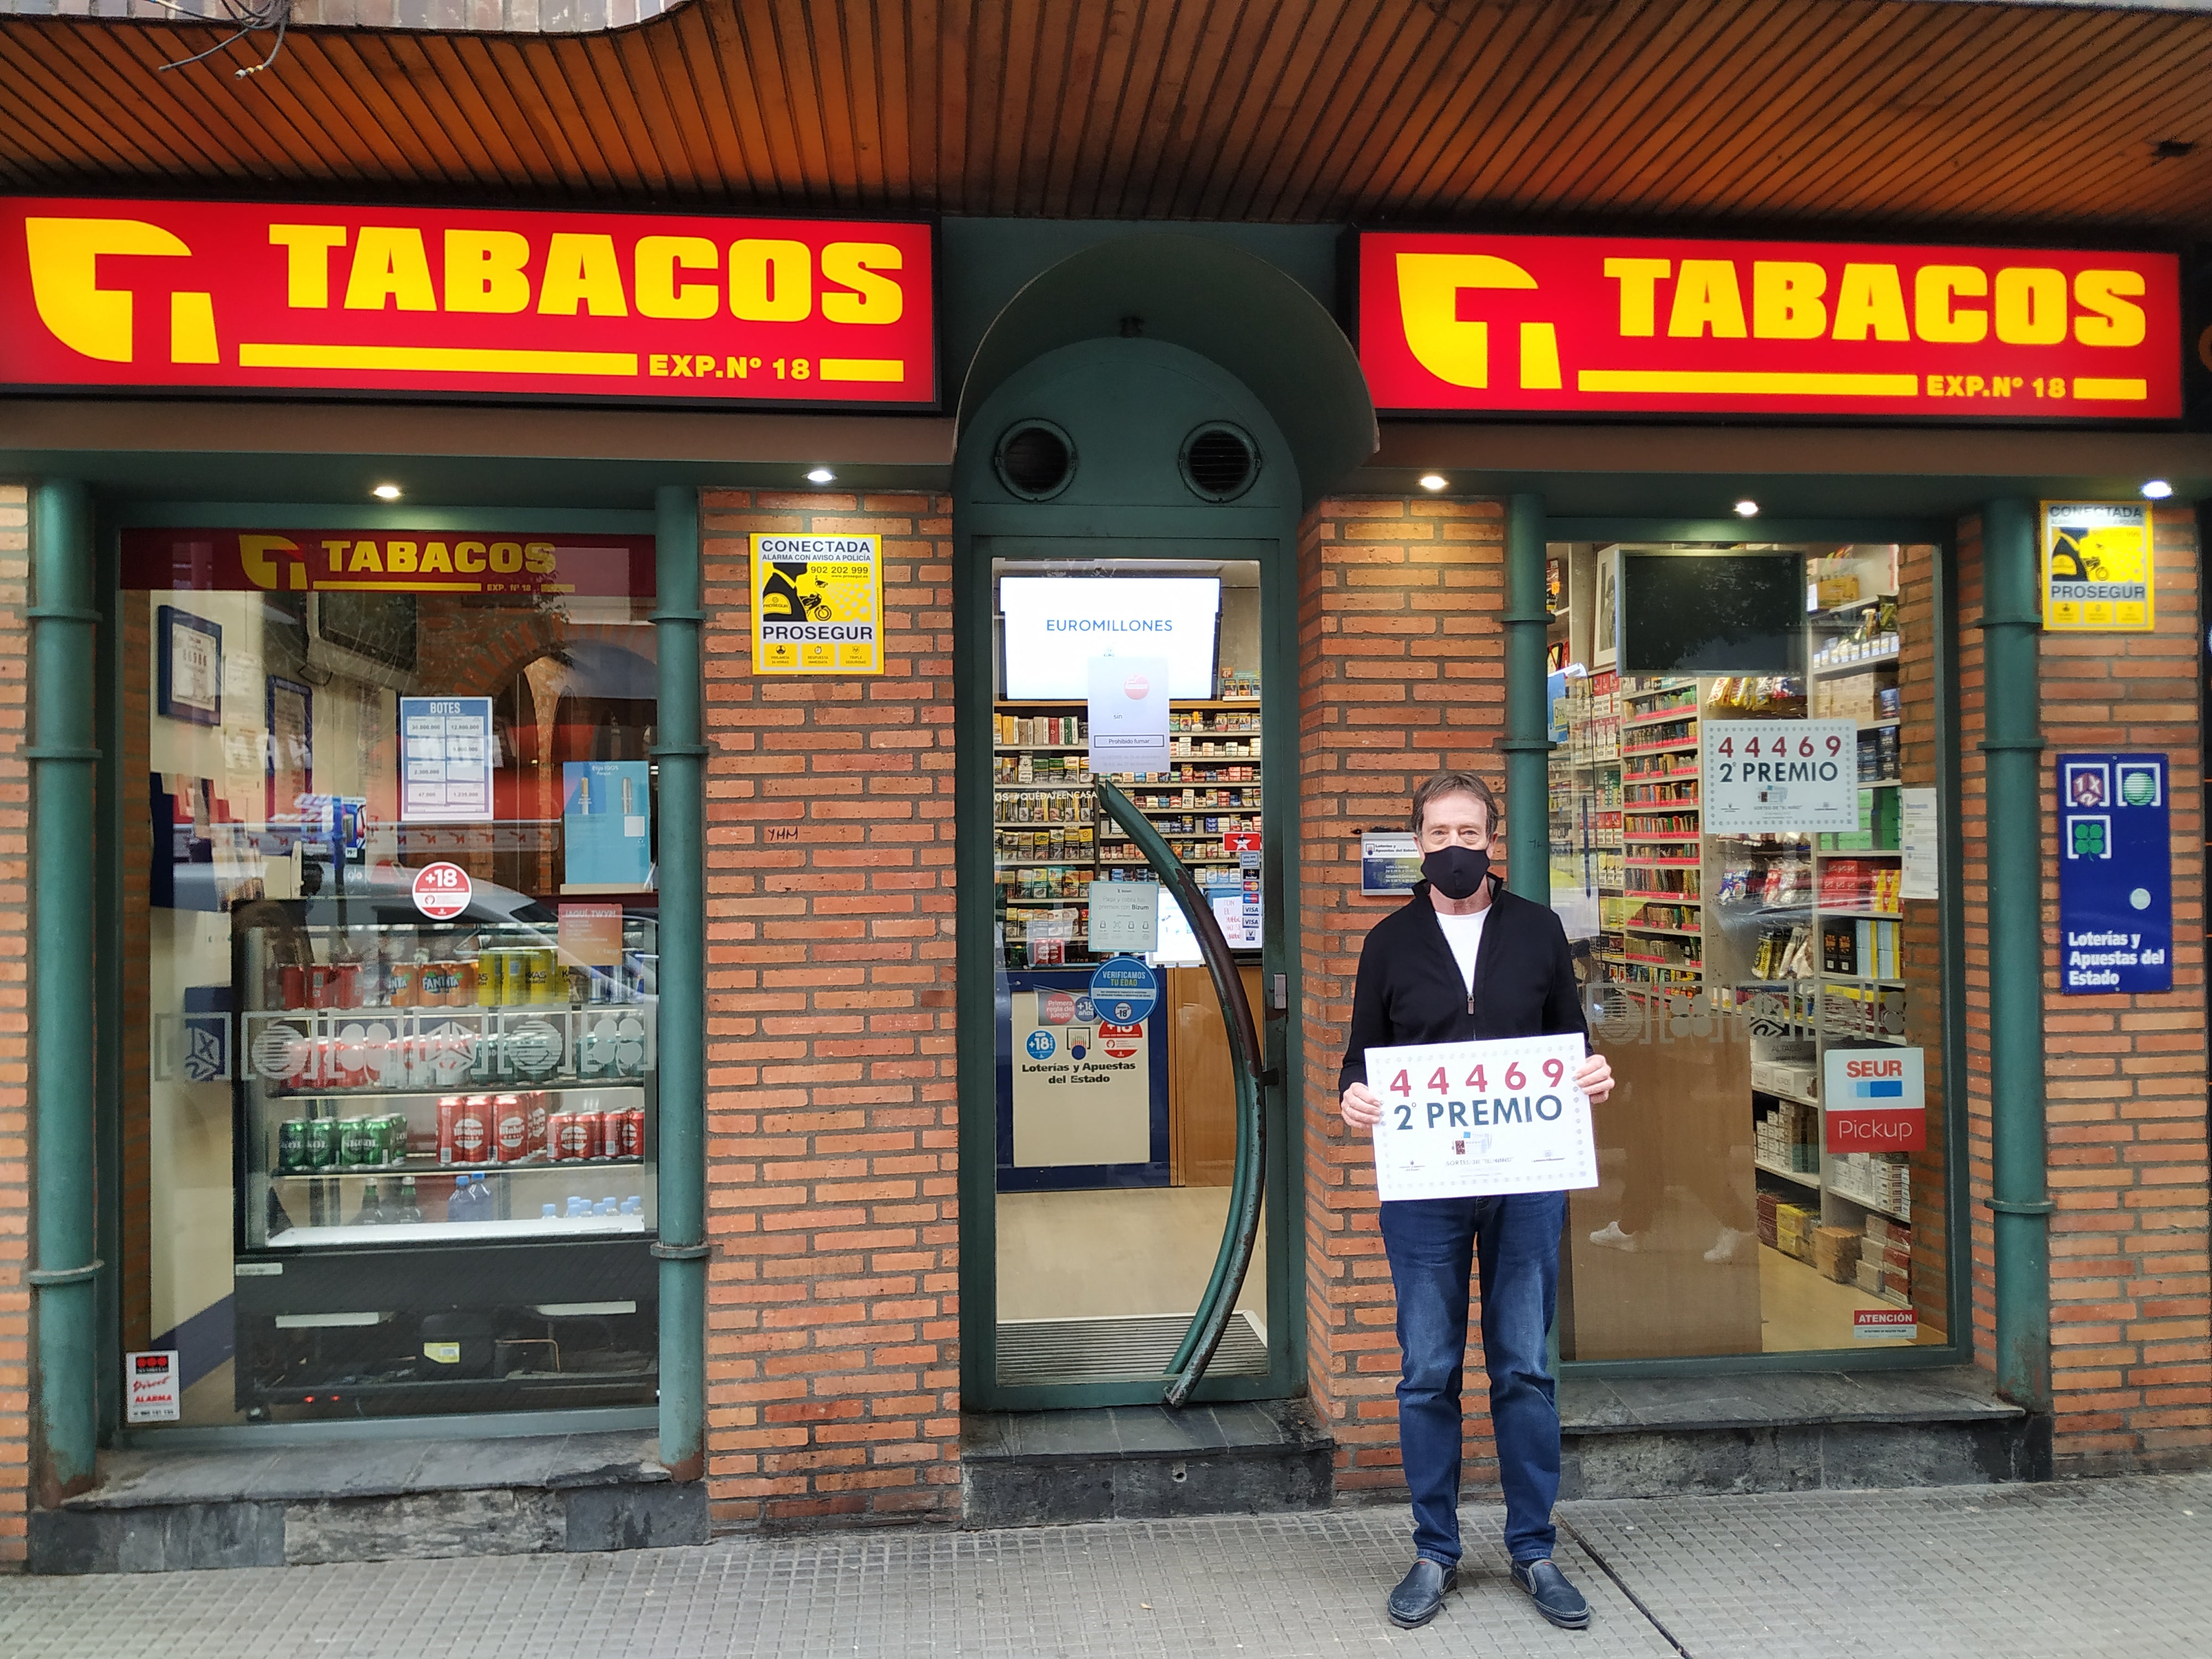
point(1802, 1178)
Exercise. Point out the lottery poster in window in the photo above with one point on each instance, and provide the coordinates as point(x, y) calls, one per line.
point(1480, 1120)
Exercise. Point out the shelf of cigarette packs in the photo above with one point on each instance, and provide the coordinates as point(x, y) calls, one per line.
point(373, 1079)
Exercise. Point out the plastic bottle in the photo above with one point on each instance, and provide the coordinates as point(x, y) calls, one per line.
point(546, 1212)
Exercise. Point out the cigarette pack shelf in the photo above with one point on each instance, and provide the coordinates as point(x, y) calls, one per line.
point(1049, 847)
point(445, 1148)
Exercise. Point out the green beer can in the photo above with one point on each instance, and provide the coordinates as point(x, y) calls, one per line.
point(292, 1146)
point(325, 1143)
point(360, 1142)
point(395, 1138)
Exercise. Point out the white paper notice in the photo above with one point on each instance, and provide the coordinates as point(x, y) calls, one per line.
point(446, 756)
point(1475, 1119)
point(1124, 916)
point(1781, 777)
point(1128, 715)
point(1916, 834)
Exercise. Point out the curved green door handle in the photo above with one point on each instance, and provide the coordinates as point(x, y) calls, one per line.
point(1241, 1228)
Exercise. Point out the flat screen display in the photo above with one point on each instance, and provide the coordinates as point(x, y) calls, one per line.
point(1054, 625)
point(1712, 613)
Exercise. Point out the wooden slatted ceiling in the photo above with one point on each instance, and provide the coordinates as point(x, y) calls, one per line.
point(1518, 111)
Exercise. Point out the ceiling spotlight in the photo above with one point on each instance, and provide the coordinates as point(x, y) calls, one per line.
point(1433, 480)
point(1747, 509)
point(386, 492)
point(2157, 490)
point(821, 475)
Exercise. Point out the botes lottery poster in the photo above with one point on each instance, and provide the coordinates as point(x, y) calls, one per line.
point(817, 605)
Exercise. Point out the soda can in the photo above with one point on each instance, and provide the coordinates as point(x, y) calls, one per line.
point(600, 992)
point(402, 982)
point(325, 1143)
point(345, 986)
point(579, 1136)
point(545, 977)
point(473, 1130)
point(510, 1129)
point(293, 982)
point(292, 1146)
point(463, 991)
point(514, 982)
point(558, 1145)
point(320, 976)
point(632, 1132)
point(449, 1117)
point(535, 1113)
point(395, 1127)
point(490, 971)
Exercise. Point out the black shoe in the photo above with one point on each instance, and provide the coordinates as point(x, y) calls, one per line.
point(1421, 1592)
point(1555, 1598)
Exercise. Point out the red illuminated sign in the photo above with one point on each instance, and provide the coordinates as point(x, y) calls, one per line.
point(1610, 326)
point(371, 560)
point(223, 296)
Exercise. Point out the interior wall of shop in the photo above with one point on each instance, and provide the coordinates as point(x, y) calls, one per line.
point(832, 1313)
point(1401, 673)
point(2124, 1076)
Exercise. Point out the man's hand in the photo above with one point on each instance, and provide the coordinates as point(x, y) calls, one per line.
point(1594, 1077)
point(1362, 1107)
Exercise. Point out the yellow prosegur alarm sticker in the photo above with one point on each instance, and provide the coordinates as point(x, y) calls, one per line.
point(2097, 570)
point(817, 605)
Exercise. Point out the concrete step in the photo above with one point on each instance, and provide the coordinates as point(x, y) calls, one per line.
point(1793, 1431)
point(158, 1511)
point(1040, 1468)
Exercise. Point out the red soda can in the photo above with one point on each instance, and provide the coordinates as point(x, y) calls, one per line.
point(557, 1128)
point(510, 1128)
point(320, 978)
point(580, 1139)
point(633, 1131)
point(473, 1130)
point(534, 1115)
point(345, 986)
point(294, 980)
point(449, 1117)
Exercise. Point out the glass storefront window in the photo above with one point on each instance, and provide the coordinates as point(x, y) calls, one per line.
point(390, 1134)
point(1742, 733)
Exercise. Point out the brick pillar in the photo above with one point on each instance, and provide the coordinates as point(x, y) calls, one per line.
point(1401, 673)
point(833, 1309)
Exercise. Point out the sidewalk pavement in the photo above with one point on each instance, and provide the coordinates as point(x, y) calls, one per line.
point(2105, 1568)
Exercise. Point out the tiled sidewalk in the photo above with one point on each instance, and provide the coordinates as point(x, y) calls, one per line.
point(2105, 1568)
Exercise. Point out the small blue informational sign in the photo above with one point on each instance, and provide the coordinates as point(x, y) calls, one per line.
point(2115, 875)
point(1124, 990)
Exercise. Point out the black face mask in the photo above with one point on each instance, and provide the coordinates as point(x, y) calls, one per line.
point(1455, 871)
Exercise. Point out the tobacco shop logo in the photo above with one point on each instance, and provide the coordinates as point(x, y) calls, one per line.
point(1456, 349)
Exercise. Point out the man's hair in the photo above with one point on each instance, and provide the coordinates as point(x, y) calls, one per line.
point(1455, 783)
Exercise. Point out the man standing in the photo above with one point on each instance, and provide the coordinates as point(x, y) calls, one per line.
point(1464, 960)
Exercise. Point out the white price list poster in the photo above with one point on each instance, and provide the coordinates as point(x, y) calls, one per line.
point(1781, 777)
point(1480, 1120)
point(446, 759)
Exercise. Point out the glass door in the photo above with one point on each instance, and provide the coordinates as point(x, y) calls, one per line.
point(1114, 1109)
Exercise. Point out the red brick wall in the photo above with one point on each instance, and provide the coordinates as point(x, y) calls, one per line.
point(833, 1310)
point(1401, 672)
point(15, 1026)
point(2125, 1081)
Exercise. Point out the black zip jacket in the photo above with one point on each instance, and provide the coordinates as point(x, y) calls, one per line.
point(1409, 988)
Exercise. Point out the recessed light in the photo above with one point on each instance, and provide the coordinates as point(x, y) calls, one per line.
point(821, 475)
point(386, 492)
point(1747, 509)
point(1433, 480)
point(2157, 490)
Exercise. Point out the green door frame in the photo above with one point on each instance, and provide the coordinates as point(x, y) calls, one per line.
point(680, 1418)
point(1526, 690)
point(1042, 532)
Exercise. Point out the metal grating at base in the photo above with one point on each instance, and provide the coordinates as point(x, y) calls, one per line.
point(1129, 1349)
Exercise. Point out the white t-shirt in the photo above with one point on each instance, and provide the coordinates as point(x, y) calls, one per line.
point(1464, 935)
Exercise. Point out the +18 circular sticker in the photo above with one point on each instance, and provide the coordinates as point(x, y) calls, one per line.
point(1124, 990)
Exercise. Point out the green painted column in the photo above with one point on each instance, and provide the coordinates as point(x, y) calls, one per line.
point(63, 880)
point(2019, 1197)
point(682, 754)
point(1528, 718)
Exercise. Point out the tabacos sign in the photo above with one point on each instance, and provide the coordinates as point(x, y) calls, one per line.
point(224, 296)
point(377, 560)
point(1875, 1100)
point(1610, 326)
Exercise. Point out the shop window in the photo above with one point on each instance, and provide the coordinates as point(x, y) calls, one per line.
point(390, 1139)
point(1742, 801)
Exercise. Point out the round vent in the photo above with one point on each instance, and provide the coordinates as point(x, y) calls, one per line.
point(1036, 460)
point(1220, 462)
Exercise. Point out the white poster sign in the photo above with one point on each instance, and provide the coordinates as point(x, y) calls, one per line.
point(1124, 916)
point(151, 1391)
point(446, 753)
point(1916, 834)
point(1128, 715)
point(1474, 1119)
point(1781, 777)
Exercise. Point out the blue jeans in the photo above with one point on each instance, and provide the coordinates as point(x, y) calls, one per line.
point(1430, 1242)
